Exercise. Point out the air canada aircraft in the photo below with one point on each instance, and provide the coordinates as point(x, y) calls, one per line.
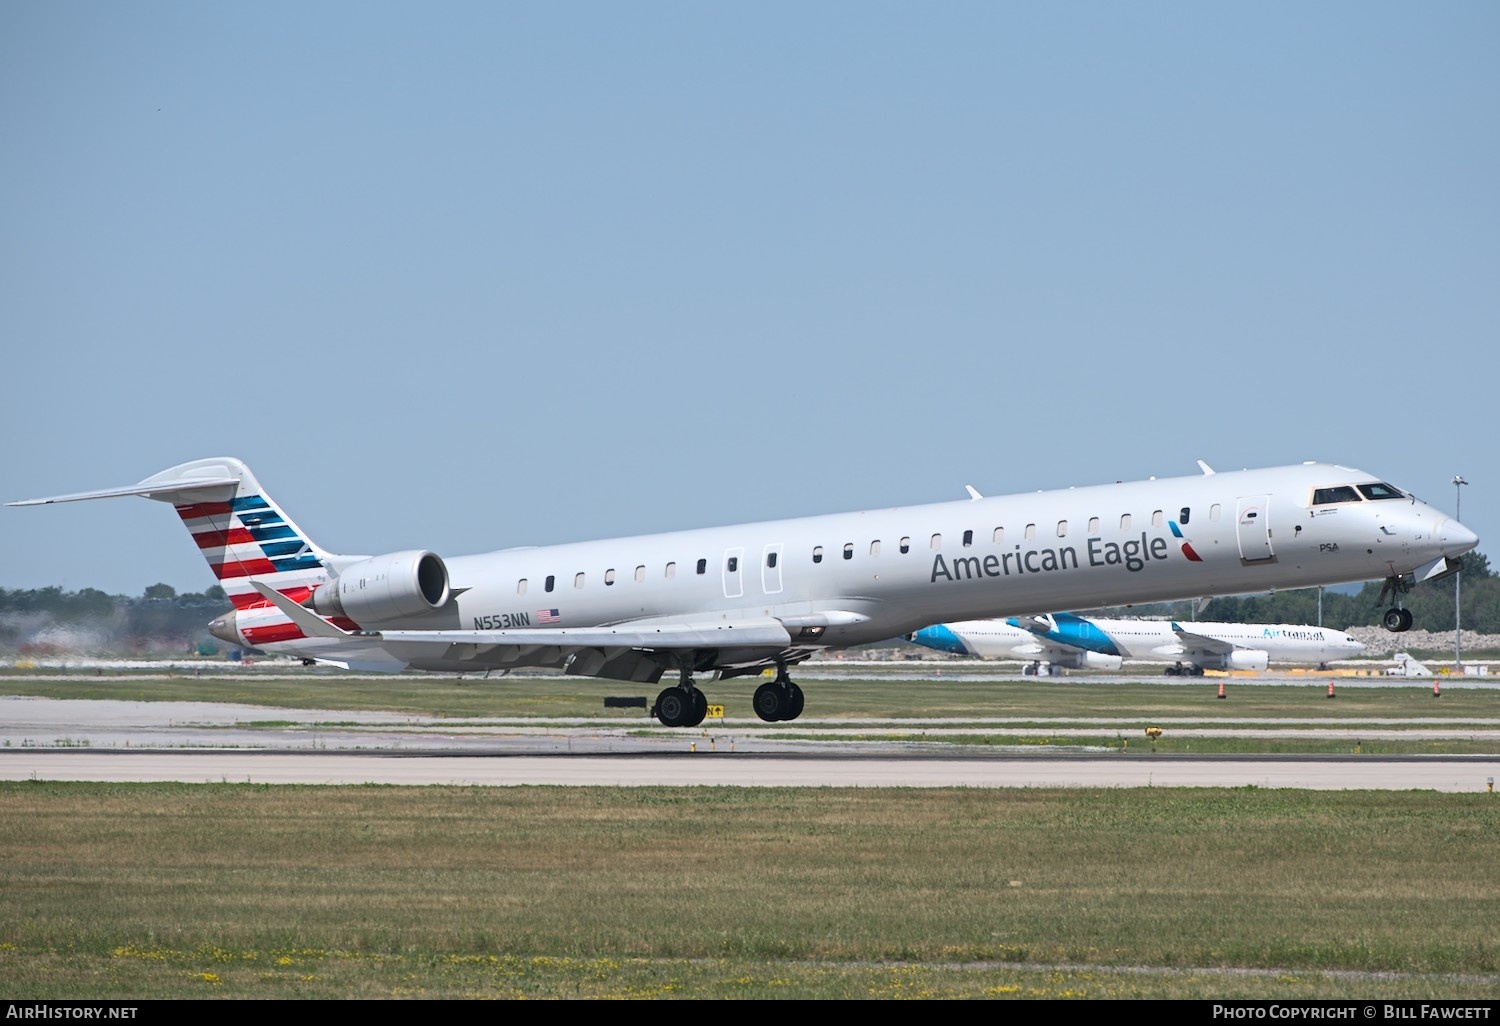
point(1068, 640)
point(747, 599)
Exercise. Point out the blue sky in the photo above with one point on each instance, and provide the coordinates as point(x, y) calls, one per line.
point(470, 275)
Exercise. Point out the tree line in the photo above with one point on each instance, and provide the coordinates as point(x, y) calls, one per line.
point(47, 620)
point(1432, 605)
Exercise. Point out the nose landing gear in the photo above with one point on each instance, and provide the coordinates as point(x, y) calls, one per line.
point(1396, 619)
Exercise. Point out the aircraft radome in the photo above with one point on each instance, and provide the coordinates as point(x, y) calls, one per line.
point(744, 599)
point(1069, 640)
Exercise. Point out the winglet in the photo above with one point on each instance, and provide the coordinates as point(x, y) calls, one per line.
point(313, 625)
point(973, 495)
point(1207, 470)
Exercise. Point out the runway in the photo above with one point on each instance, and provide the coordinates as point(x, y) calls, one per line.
point(722, 768)
point(121, 741)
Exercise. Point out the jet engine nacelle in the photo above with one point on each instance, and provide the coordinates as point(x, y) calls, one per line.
point(1083, 659)
point(385, 588)
point(1239, 659)
point(1101, 661)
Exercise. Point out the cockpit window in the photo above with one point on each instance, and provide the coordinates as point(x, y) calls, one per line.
point(1380, 490)
point(1342, 493)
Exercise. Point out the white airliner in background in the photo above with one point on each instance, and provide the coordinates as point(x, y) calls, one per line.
point(1001, 639)
point(1068, 640)
point(747, 598)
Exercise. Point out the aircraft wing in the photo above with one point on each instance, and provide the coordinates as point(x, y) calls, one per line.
point(1192, 642)
point(586, 650)
point(768, 633)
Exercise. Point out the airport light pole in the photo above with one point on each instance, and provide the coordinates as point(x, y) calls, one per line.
point(1458, 628)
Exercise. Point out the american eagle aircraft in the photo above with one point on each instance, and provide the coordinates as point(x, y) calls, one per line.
point(746, 599)
point(1068, 640)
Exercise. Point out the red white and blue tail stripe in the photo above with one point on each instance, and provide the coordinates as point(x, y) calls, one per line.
point(242, 534)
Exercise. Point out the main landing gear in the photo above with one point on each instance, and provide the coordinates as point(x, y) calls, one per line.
point(778, 699)
point(1185, 671)
point(683, 705)
point(1395, 619)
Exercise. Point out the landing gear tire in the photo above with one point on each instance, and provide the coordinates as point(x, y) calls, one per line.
point(674, 707)
point(794, 702)
point(699, 709)
point(768, 702)
point(1397, 620)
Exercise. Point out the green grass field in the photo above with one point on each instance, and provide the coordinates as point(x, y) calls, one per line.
point(237, 891)
point(164, 891)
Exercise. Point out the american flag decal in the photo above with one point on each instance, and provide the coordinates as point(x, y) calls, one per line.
point(547, 616)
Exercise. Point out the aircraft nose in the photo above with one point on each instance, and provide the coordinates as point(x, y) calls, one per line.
point(1456, 539)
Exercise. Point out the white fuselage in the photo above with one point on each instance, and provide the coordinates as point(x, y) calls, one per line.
point(1282, 642)
point(1198, 642)
point(889, 572)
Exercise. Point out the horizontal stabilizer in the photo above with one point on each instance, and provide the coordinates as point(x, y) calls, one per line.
point(164, 490)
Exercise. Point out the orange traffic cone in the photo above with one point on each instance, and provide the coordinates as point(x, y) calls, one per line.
point(1330, 690)
point(1221, 689)
point(1435, 692)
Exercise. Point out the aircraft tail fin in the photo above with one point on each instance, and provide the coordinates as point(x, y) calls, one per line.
point(241, 532)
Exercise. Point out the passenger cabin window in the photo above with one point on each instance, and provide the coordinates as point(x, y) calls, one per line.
point(702, 566)
point(1030, 531)
point(1341, 493)
point(733, 564)
point(937, 541)
point(578, 580)
point(875, 547)
point(999, 536)
point(551, 582)
point(1156, 518)
point(1062, 528)
point(1379, 490)
point(848, 550)
point(771, 559)
point(671, 570)
point(817, 553)
point(1124, 521)
point(1214, 512)
point(521, 586)
point(1183, 514)
point(905, 545)
point(968, 539)
point(609, 577)
point(1093, 525)
point(640, 574)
